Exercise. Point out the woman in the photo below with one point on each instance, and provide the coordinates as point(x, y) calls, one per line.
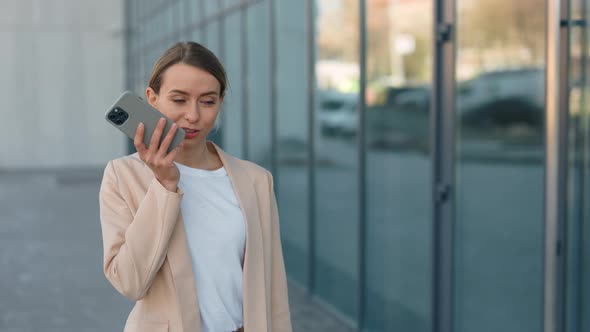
point(192, 235)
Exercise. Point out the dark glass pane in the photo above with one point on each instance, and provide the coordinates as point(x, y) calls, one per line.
point(336, 188)
point(399, 220)
point(232, 110)
point(292, 141)
point(211, 7)
point(499, 230)
point(259, 134)
point(578, 237)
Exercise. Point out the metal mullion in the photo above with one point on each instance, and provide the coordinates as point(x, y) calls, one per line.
point(129, 74)
point(221, 54)
point(563, 153)
point(244, 58)
point(556, 165)
point(127, 14)
point(273, 80)
point(443, 149)
point(310, 35)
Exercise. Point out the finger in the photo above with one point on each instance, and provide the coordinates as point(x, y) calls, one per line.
point(170, 157)
point(138, 139)
point(163, 151)
point(155, 140)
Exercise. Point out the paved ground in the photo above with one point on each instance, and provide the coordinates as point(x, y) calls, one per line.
point(51, 254)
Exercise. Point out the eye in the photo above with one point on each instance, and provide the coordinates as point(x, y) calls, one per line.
point(179, 101)
point(209, 102)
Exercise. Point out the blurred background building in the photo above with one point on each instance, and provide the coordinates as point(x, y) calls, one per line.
point(431, 157)
point(60, 62)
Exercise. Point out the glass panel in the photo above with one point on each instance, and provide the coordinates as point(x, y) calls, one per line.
point(229, 3)
point(259, 136)
point(499, 230)
point(211, 7)
point(213, 45)
point(180, 20)
point(173, 20)
point(292, 141)
point(336, 189)
point(399, 220)
point(585, 108)
point(578, 293)
point(162, 27)
point(213, 37)
point(194, 9)
point(196, 36)
point(232, 123)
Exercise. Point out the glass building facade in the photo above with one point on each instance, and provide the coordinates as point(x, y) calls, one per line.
point(430, 156)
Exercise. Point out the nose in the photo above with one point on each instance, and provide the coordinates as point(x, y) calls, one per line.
point(192, 114)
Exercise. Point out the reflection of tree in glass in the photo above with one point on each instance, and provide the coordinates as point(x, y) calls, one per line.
point(338, 30)
point(390, 22)
point(502, 32)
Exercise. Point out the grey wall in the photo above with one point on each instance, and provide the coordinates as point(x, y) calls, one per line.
point(62, 65)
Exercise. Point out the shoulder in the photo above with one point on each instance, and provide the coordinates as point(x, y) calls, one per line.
point(252, 169)
point(124, 166)
point(255, 172)
point(240, 166)
point(131, 161)
point(128, 161)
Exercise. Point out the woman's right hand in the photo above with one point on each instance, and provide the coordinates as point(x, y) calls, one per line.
point(156, 156)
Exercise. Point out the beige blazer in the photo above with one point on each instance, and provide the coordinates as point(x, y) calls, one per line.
point(146, 254)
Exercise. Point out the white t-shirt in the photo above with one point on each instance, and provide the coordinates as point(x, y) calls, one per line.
point(216, 234)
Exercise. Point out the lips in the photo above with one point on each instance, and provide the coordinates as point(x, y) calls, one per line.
point(190, 133)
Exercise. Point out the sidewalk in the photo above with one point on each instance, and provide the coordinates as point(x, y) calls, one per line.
point(51, 275)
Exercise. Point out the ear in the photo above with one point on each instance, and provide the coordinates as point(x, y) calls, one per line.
point(152, 96)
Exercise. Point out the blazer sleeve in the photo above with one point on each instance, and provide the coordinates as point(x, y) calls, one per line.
point(280, 313)
point(135, 244)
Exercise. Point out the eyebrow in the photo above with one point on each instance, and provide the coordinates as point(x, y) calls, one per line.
point(179, 91)
point(188, 94)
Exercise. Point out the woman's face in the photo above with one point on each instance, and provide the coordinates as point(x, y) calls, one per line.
point(190, 97)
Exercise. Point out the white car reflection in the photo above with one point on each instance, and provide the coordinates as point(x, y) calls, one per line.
point(337, 113)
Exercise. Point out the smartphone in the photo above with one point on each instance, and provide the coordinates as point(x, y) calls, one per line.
point(129, 110)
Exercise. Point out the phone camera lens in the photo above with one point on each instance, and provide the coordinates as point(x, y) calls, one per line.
point(119, 121)
point(112, 116)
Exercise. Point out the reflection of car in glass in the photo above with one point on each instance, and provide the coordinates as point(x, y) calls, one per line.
point(503, 104)
point(409, 98)
point(400, 120)
point(504, 98)
point(337, 113)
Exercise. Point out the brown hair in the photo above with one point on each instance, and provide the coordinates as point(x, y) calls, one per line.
point(189, 53)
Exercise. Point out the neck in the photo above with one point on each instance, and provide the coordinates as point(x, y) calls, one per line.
point(196, 156)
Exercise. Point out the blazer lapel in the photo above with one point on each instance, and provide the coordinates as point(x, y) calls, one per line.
point(254, 290)
point(184, 281)
point(254, 277)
